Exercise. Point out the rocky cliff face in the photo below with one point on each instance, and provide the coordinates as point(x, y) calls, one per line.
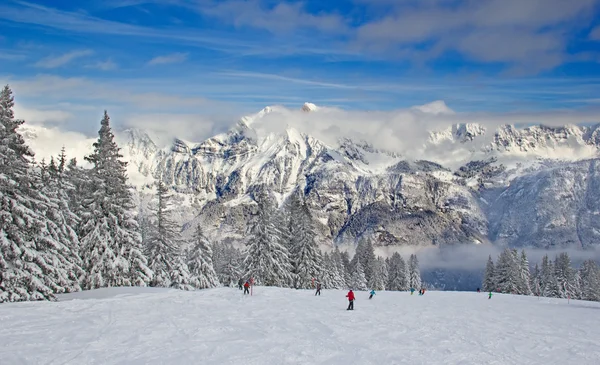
point(548, 198)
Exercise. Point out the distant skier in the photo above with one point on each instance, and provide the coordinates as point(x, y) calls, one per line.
point(240, 283)
point(479, 291)
point(372, 293)
point(246, 287)
point(350, 297)
point(318, 289)
point(412, 291)
point(490, 295)
point(422, 291)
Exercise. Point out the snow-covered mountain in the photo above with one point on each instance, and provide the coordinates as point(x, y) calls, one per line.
point(497, 181)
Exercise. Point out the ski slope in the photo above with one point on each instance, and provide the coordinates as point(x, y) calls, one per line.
point(285, 326)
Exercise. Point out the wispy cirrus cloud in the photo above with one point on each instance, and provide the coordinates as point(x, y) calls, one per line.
point(530, 35)
point(106, 65)
point(58, 61)
point(177, 57)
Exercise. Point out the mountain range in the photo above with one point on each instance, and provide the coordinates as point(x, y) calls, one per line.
point(466, 183)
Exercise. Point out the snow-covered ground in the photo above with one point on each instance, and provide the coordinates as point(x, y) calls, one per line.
point(284, 326)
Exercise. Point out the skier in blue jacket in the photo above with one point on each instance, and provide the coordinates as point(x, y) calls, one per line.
point(372, 293)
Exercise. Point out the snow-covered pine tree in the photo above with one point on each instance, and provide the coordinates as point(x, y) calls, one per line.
point(200, 262)
point(548, 281)
point(489, 276)
point(35, 259)
point(306, 257)
point(110, 238)
point(229, 264)
point(590, 281)
point(267, 259)
point(379, 275)
point(366, 254)
point(60, 229)
point(330, 276)
point(162, 247)
point(508, 273)
point(414, 272)
point(358, 281)
point(341, 274)
point(565, 275)
point(524, 275)
point(397, 273)
point(534, 283)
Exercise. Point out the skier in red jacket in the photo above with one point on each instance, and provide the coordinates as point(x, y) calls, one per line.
point(350, 297)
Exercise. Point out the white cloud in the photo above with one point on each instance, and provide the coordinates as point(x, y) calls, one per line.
point(171, 58)
point(104, 65)
point(38, 116)
point(57, 61)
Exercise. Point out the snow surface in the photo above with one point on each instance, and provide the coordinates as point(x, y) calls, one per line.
point(286, 326)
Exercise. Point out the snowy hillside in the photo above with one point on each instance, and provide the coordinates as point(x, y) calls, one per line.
point(284, 326)
point(454, 186)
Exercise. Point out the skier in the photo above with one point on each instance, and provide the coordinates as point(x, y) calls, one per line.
point(246, 287)
point(479, 291)
point(412, 291)
point(350, 297)
point(422, 291)
point(318, 289)
point(490, 295)
point(240, 283)
point(372, 293)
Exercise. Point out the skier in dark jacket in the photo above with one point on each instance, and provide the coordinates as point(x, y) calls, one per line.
point(350, 297)
point(246, 287)
point(318, 289)
point(240, 283)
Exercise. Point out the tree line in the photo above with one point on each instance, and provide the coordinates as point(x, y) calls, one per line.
point(554, 278)
point(65, 228)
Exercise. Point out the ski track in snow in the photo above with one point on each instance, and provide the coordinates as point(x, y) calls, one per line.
point(286, 326)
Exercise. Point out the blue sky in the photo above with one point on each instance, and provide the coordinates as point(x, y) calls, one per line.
point(68, 60)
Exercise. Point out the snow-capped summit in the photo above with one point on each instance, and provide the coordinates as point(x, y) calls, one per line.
point(460, 132)
point(309, 107)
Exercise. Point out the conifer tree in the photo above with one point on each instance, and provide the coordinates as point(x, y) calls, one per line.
point(200, 262)
point(358, 281)
point(397, 273)
point(35, 259)
point(110, 237)
point(267, 259)
point(163, 250)
point(305, 254)
point(414, 272)
point(228, 262)
point(590, 281)
point(379, 275)
point(524, 275)
point(489, 276)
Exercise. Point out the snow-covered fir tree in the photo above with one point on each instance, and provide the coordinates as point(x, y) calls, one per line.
point(535, 281)
point(35, 256)
point(358, 280)
point(305, 254)
point(524, 275)
point(414, 272)
point(228, 262)
point(366, 254)
point(200, 264)
point(508, 272)
point(163, 243)
point(109, 234)
point(379, 276)
point(267, 259)
point(489, 276)
point(565, 276)
point(330, 276)
point(590, 281)
point(397, 273)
